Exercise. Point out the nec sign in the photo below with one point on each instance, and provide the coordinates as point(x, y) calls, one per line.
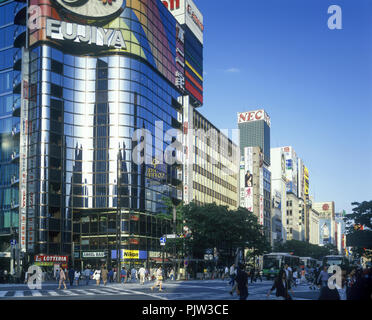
point(254, 116)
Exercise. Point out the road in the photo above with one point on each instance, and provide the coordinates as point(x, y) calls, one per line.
point(172, 290)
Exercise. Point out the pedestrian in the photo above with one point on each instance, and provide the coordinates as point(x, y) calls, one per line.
point(123, 275)
point(111, 275)
point(115, 275)
point(323, 276)
point(77, 277)
point(252, 274)
point(282, 286)
point(226, 274)
point(142, 275)
point(26, 275)
point(232, 274)
point(327, 293)
point(303, 279)
point(71, 275)
point(159, 279)
point(295, 277)
point(134, 274)
point(62, 279)
point(57, 274)
point(87, 275)
point(97, 276)
point(104, 274)
point(242, 283)
point(171, 275)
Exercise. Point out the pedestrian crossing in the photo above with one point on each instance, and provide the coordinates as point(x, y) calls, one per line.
point(62, 293)
point(200, 290)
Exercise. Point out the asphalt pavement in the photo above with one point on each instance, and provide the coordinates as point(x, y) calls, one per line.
point(172, 290)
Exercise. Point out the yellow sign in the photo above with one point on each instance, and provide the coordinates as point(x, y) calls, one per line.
point(131, 254)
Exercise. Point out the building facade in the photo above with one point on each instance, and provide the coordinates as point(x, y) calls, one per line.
point(103, 97)
point(10, 28)
point(255, 175)
point(278, 187)
point(314, 226)
point(212, 174)
point(93, 75)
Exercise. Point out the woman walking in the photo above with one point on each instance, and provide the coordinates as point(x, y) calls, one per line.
point(159, 279)
point(282, 285)
point(77, 277)
point(104, 274)
point(62, 279)
point(97, 276)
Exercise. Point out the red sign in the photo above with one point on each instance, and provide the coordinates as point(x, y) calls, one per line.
point(254, 116)
point(55, 259)
point(170, 4)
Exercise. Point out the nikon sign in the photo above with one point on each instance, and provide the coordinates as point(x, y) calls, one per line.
point(61, 30)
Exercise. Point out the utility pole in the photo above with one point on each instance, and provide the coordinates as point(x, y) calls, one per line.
point(118, 219)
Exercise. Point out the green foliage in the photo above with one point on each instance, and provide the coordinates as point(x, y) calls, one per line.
point(362, 215)
point(305, 249)
point(226, 230)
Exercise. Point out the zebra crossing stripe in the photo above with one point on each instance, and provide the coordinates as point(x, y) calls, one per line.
point(19, 294)
point(53, 293)
point(3, 293)
point(71, 293)
point(85, 292)
point(36, 293)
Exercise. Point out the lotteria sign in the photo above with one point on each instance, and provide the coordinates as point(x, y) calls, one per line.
point(254, 116)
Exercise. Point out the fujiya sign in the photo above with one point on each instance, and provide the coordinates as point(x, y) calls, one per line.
point(61, 30)
point(91, 8)
point(254, 116)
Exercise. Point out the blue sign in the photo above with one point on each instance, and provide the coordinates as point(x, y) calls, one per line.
point(13, 242)
point(163, 240)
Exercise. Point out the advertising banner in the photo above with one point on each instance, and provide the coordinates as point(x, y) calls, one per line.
point(248, 178)
point(186, 12)
point(119, 26)
point(325, 228)
point(254, 116)
point(50, 260)
point(261, 196)
point(23, 152)
point(130, 254)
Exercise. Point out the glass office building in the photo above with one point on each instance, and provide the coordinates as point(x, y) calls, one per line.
point(88, 84)
point(9, 127)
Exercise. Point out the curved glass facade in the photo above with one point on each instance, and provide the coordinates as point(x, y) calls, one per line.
point(88, 109)
point(9, 146)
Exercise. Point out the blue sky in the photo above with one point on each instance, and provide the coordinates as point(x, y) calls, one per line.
point(315, 83)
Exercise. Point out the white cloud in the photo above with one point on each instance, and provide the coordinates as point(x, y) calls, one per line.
point(232, 70)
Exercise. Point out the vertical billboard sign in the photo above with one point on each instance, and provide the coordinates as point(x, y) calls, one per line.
point(32, 146)
point(188, 149)
point(23, 151)
point(248, 178)
point(261, 220)
point(180, 58)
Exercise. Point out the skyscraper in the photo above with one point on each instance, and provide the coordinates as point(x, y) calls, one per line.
point(10, 76)
point(255, 176)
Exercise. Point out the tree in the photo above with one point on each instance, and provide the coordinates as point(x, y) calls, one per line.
point(217, 227)
point(358, 229)
point(305, 249)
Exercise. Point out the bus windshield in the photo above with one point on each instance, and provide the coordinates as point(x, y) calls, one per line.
point(270, 262)
point(334, 261)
